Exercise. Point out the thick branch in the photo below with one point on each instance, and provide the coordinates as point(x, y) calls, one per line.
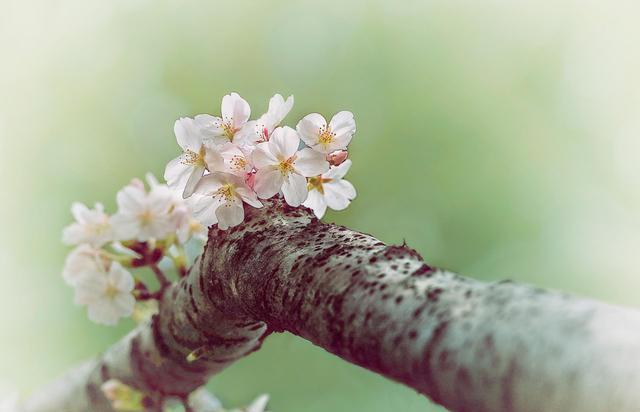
point(468, 345)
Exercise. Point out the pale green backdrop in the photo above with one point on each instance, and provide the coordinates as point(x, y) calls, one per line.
point(498, 138)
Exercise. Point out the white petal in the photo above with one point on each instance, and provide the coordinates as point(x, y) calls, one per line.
point(82, 260)
point(186, 134)
point(284, 142)
point(249, 133)
point(294, 189)
point(229, 214)
point(209, 126)
point(209, 184)
point(338, 194)
point(79, 212)
point(340, 142)
point(90, 287)
point(309, 128)
point(205, 210)
point(338, 172)
point(160, 200)
point(125, 226)
point(103, 312)
point(201, 400)
point(161, 227)
point(279, 108)
point(310, 163)
point(196, 174)
point(343, 124)
point(120, 277)
point(130, 199)
point(262, 156)
point(259, 404)
point(213, 159)
point(315, 201)
point(176, 174)
point(124, 304)
point(236, 108)
point(248, 196)
point(73, 234)
point(152, 181)
point(268, 182)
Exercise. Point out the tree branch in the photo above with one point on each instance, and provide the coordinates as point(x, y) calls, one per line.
point(469, 346)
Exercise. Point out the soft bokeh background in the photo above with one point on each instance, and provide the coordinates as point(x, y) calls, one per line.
point(499, 138)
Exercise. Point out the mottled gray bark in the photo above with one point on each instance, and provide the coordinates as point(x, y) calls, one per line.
point(469, 346)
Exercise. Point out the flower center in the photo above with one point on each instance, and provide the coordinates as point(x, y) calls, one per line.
point(191, 158)
point(226, 192)
point(326, 136)
point(262, 133)
point(146, 217)
point(111, 292)
point(238, 162)
point(229, 130)
point(101, 227)
point(315, 183)
point(286, 166)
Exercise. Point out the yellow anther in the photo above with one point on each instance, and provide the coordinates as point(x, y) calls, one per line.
point(226, 192)
point(286, 166)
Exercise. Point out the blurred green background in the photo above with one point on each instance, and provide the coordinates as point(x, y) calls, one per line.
point(498, 138)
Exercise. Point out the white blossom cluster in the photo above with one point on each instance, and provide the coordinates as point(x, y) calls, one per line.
point(230, 160)
point(226, 161)
point(148, 226)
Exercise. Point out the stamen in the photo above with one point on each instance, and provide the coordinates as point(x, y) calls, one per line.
point(286, 166)
point(229, 130)
point(316, 183)
point(226, 192)
point(326, 136)
point(111, 291)
point(238, 162)
point(191, 158)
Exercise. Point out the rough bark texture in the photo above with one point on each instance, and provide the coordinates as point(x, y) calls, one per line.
point(467, 345)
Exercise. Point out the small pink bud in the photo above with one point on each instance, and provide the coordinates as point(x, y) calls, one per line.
point(336, 158)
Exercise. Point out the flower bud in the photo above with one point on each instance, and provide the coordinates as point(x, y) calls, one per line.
point(336, 158)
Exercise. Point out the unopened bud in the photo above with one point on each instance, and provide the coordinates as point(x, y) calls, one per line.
point(336, 158)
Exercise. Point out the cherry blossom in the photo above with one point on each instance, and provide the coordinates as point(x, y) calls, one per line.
point(329, 189)
point(282, 167)
point(233, 160)
point(224, 194)
point(235, 114)
point(82, 260)
point(180, 210)
point(143, 216)
point(107, 294)
point(184, 172)
point(327, 138)
point(92, 226)
point(259, 131)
